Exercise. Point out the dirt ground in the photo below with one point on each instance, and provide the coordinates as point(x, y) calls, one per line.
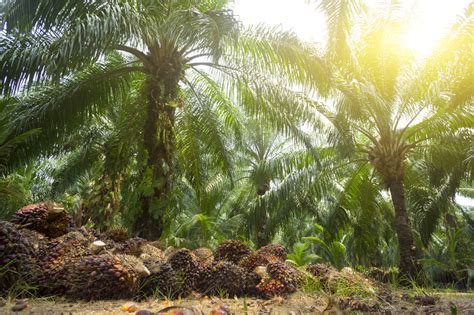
point(402, 303)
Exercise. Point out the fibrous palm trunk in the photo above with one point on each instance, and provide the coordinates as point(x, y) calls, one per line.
point(159, 141)
point(408, 262)
point(388, 157)
point(262, 235)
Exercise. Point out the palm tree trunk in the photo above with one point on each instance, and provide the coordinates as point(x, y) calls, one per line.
point(159, 142)
point(408, 262)
point(262, 236)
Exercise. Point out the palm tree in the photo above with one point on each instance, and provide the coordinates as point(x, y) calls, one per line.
point(386, 107)
point(265, 158)
point(72, 61)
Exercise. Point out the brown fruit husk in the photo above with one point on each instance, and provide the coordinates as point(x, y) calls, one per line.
point(274, 250)
point(103, 276)
point(117, 234)
point(224, 277)
point(45, 218)
point(203, 256)
point(289, 276)
point(231, 250)
point(161, 283)
point(56, 257)
point(257, 259)
point(186, 268)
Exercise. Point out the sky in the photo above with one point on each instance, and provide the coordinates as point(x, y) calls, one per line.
point(429, 18)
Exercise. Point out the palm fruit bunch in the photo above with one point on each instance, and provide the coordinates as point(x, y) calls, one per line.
point(223, 277)
point(58, 223)
point(268, 288)
point(131, 246)
point(162, 281)
point(150, 251)
point(321, 271)
point(31, 216)
point(56, 256)
point(117, 234)
point(46, 218)
point(103, 276)
point(279, 278)
point(252, 280)
point(231, 250)
point(170, 251)
point(36, 239)
point(17, 256)
point(289, 276)
point(203, 256)
point(256, 259)
point(274, 250)
point(186, 267)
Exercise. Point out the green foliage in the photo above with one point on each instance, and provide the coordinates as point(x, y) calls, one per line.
point(271, 135)
point(449, 258)
point(333, 252)
point(300, 255)
point(310, 284)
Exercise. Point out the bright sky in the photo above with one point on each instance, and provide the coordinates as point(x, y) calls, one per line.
point(430, 18)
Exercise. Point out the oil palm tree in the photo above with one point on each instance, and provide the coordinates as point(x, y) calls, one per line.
point(385, 107)
point(60, 54)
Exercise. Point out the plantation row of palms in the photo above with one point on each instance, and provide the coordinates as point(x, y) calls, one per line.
point(171, 118)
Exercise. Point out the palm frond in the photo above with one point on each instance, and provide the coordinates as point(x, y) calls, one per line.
point(59, 109)
point(28, 58)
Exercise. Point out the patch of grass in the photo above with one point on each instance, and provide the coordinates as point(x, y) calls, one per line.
point(310, 284)
point(16, 284)
point(353, 289)
point(222, 293)
point(245, 309)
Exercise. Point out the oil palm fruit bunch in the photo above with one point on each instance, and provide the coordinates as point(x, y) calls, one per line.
point(54, 259)
point(186, 267)
point(256, 259)
point(252, 280)
point(161, 282)
point(49, 219)
point(31, 216)
point(103, 276)
point(131, 246)
point(150, 251)
point(321, 271)
point(223, 277)
point(274, 250)
point(289, 276)
point(231, 250)
point(117, 234)
point(17, 256)
point(203, 256)
point(268, 288)
point(36, 239)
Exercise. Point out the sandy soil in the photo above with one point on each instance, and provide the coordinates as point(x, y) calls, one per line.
point(402, 303)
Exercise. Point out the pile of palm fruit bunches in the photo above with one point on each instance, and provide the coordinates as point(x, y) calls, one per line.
point(41, 246)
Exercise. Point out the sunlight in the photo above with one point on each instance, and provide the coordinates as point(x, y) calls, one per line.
point(429, 20)
point(420, 40)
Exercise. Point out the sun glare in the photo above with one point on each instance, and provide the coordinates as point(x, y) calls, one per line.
point(429, 22)
point(428, 19)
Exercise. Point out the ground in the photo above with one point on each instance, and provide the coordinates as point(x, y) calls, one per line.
point(445, 303)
